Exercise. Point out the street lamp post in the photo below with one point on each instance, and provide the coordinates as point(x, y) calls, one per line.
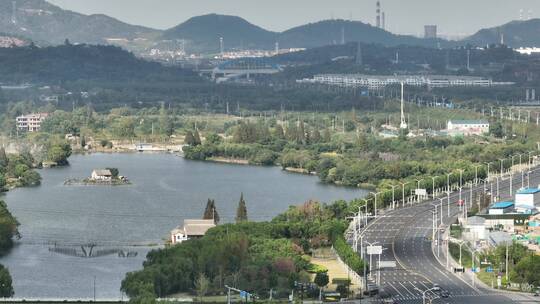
point(393, 196)
point(433, 186)
point(448, 182)
point(403, 193)
point(502, 164)
point(460, 177)
point(418, 187)
point(375, 203)
point(476, 174)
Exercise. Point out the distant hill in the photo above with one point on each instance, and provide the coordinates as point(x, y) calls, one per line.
point(87, 63)
point(332, 31)
point(46, 23)
point(516, 34)
point(202, 34)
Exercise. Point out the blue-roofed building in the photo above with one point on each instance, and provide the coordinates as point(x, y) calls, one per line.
point(528, 197)
point(501, 208)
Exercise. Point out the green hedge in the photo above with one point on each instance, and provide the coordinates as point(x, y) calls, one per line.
point(348, 256)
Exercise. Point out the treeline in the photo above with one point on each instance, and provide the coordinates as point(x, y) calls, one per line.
point(71, 63)
point(255, 257)
point(364, 160)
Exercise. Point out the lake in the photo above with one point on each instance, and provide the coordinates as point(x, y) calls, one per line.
point(58, 222)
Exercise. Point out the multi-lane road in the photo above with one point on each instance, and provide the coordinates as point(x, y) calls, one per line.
point(405, 234)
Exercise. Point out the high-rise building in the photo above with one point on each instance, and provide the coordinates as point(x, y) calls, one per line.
point(430, 31)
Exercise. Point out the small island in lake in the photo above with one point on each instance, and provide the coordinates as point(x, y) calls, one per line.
point(107, 177)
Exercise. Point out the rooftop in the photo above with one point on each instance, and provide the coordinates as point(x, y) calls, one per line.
point(502, 205)
point(469, 122)
point(528, 191)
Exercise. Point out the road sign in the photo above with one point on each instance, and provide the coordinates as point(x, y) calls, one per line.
point(420, 192)
point(372, 250)
point(387, 264)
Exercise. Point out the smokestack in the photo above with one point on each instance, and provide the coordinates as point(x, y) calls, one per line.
point(378, 14)
point(383, 20)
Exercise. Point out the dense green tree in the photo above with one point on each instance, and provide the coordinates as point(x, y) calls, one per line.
point(8, 228)
point(213, 138)
point(201, 286)
point(496, 129)
point(210, 212)
point(6, 288)
point(241, 211)
point(527, 270)
point(58, 151)
point(321, 279)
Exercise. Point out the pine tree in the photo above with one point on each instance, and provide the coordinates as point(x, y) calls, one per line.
point(326, 136)
point(316, 136)
point(3, 158)
point(301, 137)
point(211, 212)
point(189, 139)
point(278, 132)
point(196, 138)
point(241, 212)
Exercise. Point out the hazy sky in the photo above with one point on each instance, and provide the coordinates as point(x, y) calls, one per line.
point(403, 16)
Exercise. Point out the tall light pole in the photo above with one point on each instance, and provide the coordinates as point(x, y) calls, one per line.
point(448, 182)
point(460, 177)
point(417, 187)
point(488, 170)
point(375, 203)
point(502, 164)
point(403, 193)
point(433, 184)
point(394, 196)
point(476, 174)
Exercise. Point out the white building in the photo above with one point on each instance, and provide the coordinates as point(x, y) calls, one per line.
point(467, 127)
point(191, 229)
point(528, 197)
point(31, 122)
point(380, 81)
point(102, 175)
point(475, 229)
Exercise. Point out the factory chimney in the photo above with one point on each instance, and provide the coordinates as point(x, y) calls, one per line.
point(378, 14)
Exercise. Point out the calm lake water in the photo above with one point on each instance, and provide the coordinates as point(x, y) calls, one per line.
point(166, 190)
